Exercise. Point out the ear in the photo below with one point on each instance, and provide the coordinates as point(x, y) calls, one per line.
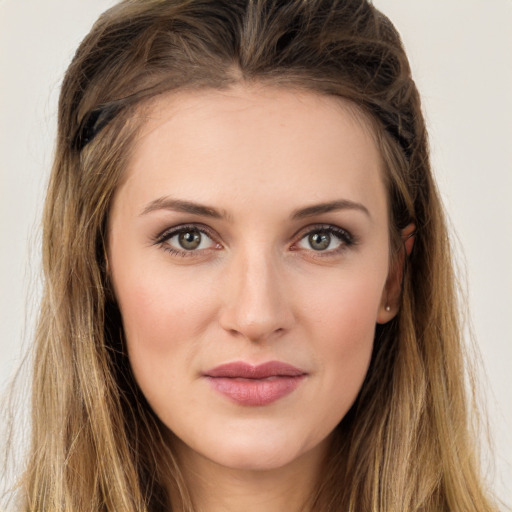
point(390, 299)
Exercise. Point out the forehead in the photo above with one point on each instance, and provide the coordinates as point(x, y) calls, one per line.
point(211, 144)
point(243, 104)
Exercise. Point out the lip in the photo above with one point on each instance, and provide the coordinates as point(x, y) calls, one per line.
point(251, 385)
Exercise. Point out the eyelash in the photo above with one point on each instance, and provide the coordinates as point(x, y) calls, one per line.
point(169, 233)
point(346, 238)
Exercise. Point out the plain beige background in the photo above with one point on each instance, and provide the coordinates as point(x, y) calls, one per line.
point(461, 55)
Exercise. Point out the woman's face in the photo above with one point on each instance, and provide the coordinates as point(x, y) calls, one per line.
point(248, 248)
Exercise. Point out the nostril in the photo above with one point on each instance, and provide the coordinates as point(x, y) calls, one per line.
point(256, 331)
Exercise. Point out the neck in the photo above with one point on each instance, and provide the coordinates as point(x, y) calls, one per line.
point(216, 488)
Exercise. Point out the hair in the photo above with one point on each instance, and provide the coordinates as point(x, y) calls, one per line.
point(407, 443)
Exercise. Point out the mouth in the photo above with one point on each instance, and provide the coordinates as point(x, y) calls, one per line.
point(250, 385)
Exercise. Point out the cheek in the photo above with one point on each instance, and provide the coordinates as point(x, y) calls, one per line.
point(350, 334)
point(162, 319)
point(155, 308)
point(341, 320)
point(345, 304)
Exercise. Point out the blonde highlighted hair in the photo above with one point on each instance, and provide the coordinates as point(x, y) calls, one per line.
point(407, 443)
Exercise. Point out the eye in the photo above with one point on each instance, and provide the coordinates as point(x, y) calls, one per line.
point(186, 239)
point(326, 239)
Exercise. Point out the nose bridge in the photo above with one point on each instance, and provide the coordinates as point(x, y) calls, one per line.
point(256, 301)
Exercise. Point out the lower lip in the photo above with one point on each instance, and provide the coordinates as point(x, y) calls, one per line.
point(255, 392)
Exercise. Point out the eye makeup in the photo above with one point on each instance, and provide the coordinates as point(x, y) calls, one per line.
point(324, 240)
point(193, 240)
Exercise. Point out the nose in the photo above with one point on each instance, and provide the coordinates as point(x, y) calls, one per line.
point(257, 306)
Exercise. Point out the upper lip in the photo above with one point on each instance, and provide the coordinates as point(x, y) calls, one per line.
point(244, 370)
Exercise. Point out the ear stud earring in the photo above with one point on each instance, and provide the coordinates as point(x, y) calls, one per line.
point(388, 308)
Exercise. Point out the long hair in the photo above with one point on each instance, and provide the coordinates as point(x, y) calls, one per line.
point(407, 442)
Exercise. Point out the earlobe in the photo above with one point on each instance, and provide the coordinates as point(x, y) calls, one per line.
point(391, 296)
point(386, 313)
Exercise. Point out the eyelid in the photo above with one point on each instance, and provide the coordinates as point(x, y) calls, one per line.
point(168, 233)
point(345, 236)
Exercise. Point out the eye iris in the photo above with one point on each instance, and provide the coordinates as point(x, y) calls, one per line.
point(319, 241)
point(190, 240)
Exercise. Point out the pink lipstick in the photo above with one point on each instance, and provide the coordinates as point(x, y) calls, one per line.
point(251, 385)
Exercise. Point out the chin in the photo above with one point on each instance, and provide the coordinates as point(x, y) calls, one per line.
point(254, 459)
point(257, 453)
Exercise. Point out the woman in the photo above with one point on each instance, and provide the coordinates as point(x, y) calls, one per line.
point(249, 300)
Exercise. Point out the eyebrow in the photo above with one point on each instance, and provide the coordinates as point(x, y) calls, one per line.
point(179, 205)
point(318, 209)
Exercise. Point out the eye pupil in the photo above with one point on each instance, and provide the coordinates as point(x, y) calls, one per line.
point(190, 240)
point(319, 240)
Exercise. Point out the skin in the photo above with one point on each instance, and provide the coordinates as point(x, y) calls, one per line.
point(254, 290)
